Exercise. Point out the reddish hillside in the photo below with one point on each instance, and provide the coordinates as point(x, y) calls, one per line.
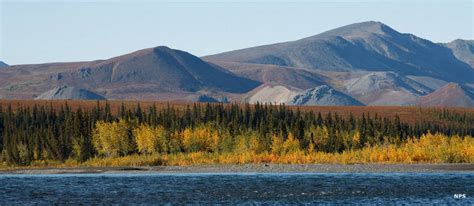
point(450, 95)
point(158, 73)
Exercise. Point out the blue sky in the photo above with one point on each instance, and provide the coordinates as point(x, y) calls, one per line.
point(67, 30)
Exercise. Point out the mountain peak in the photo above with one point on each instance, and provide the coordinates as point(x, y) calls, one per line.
point(452, 85)
point(147, 51)
point(455, 87)
point(360, 29)
point(459, 41)
point(162, 48)
point(369, 24)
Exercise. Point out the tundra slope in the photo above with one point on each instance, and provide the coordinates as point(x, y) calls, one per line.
point(451, 94)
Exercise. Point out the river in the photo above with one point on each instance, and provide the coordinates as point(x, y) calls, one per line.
point(239, 188)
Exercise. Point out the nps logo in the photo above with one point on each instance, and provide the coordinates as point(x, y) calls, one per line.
point(459, 196)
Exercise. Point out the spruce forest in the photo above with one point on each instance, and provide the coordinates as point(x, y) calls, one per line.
point(101, 135)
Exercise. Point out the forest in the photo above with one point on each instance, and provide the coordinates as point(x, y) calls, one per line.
point(44, 135)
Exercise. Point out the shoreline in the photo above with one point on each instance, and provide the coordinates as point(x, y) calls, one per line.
point(253, 168)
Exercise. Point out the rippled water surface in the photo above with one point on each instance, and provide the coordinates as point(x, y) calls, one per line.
point(238, 188)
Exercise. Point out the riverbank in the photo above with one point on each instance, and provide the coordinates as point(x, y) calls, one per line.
point(255, 168)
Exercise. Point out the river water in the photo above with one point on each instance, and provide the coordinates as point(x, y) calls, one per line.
point(246, 188)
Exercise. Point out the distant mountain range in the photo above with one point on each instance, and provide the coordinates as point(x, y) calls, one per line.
point(365, 63)
point(157, 73)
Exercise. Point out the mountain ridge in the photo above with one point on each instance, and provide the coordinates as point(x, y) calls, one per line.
point(368, 46)
point(143, 73)
point(367, 63)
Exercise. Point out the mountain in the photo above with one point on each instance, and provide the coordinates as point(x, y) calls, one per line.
point(366, 46)
point(451, 95)
point(463, 50)
point(65, 92)
point(365, 63)
point(324, 96)
point(385, 88)
point(164, 69)
point(158, 73)
point(3, 64)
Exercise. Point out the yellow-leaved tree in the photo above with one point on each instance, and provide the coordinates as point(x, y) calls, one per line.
point(151, 139)
point(277, 144)
point(291, 145)
point(319, 136)
point(112, 139)
point(248, 142)
point(175, 142)
point(202, 138)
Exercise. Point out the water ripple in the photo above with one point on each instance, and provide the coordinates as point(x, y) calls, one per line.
point(378, 188)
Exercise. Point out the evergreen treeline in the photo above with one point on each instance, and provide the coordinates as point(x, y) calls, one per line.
point(46, 133)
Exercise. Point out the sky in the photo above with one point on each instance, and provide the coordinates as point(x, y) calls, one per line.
point(34, 31)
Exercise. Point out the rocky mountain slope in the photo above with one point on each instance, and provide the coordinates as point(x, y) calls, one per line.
point(463, 50)
point(324, 96)
point(367, 46)
point(66, 92)
point(385, 88)
point(271, 93)
point(211, 99)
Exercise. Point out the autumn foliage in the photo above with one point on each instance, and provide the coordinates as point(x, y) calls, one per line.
point(226, 134)
point(430, 148)
point(202, 144)
point(151, 140)
point(113, 139)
